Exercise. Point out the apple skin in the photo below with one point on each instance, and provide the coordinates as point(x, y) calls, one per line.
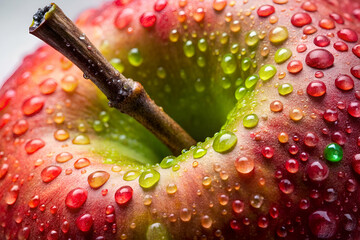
point(50, 218)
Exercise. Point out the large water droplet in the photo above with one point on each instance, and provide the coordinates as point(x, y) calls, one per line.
point(149, 178)
point(76, 198)
point(98, 178)
point(224, 142)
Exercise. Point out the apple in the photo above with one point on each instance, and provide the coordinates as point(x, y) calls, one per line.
point(267, 88)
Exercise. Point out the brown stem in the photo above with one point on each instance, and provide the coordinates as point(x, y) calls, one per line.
point(55, 28)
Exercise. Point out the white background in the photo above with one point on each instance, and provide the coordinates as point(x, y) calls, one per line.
point(15, 19)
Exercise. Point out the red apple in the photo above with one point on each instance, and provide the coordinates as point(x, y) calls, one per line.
point(277, 80)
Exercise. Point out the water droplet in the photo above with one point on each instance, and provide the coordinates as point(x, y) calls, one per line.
point(296, 114)
point(244, 165)
point(322, 224)
point(134, 57)
point(256, 200)
point(199, 14)
point(20, 127)
point(81, 139)
point(267, 72)
point(168, 162)
point(5, 98)
point(81, 163)
point(98, 178)
point(286, 186)
point(327, 23)
point(225, 141)
point(117, 64)
point(278, 35)
point(301, 19)
point(123, 195)
point(32, 105)
point(265, 10)
point(206, 221)
point(12, 195)
point(34, 145)
point(76, 198)
point(156, 231)
point(50, 173)
point(276, 106)
point(61, 135)
point(48, 86)
point(252, 39)
point(240, 93)
point(189, 49)
point(309, 6)
point(219, 5)
point(124, 18)
point(149, 178)
point(354, 109)
point(251, 81)
point(285, 89)
point(282, 55)
point(333, 152)
point(131, 175)
point(317, 171)
point(34, 201)
point(199, 152)
point(171, 188)
point(148, 19)
point(348, 35)
point(321, 41)
point(84, 222)
point(160, 5)
point(250, 121)
point(344, 82)
point(228, 64)
point(185, 215)
point(69, 83)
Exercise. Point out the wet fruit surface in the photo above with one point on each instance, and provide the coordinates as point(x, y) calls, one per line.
point(269, 89)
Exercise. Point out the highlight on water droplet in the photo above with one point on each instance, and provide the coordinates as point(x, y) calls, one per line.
point(149, 178)
point(250, 121)
point(225, 141)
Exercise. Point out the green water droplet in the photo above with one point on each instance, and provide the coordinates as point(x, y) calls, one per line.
point(282, 55)
point(199, 152)
point(104, 116)
point(202, 44)
point(174, 35)
point(199, 85)
point(189, 49)
point(117, 64)
point(253, 54)
point(81, 139)
point(161, 73)
point(131, 175)
point(176, 167)
point(201, 62)
point(149, 178)
point(228, 63)
point(278, 35)
point(243, 51)
point(285, 89)
point(245, 63)
point(267, 72)
point(224, 141)
point(251, 81)
point(333, 152)
point(252, 39)
point(157, 231)
point(135, 57)
point(98, 126)
point(224, 38)
point(234, 48)
point(250, 121)
point(168, 162)
point(240, 93)
point(225, 83)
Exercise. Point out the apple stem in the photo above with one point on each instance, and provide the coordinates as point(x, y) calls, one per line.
point(52, 26)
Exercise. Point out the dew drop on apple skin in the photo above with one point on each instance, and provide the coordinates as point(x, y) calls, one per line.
point(123, 195)
point(245, 64)
point(20, 127)
point(117, 64)
point(147, 200)
point(202, 44)
point(171, 188)
point(206, 221)
point(134, 57)
point(228, 63)
point(63, 157)
point(69, 83)
point(333, 152)
point(76, 198)
point(33, 105)
point(252, 39)
point(81, 139)
point(131, 175)
point(238, 206)
point(199, 152)
point(174, 35)
point(256, 200)
point(157, 231)
point(250, 121)
point(278, 35)
point(240, 93)
point(267, 72)
point(12, 195)
point(98, 126)
point(149, 178)
point(185, 215)
point(168, 162)
point(59, 118)
point(49, 173)
point(224, 141)
point(244, 165)
point(189, 49)
point(285, 89)
point(61, 135)
point(48, 86)
point(84, 222)
point(206, 182)
point(81, 163)
point(282, 55)
point(98, 178)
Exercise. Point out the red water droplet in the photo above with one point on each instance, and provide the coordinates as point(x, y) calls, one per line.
point(219, 5)
point(238, 206)
point(235, 225)
point(12, 195)
point(5, 98)
point(274, 211)
point(301, 48)
point(301, 19)
point(84, 222)
point(4, 120)
point(311, 139)
point(263, 222)
point(286, 186)
point(34, 145)
point(48, 86)
point(110, 218)
point(354, 109)
point(32, 105)
point(81, 163)
point(63, 157)
point(53, 210)
point(341, 46)
point(316, 88)
point(344, 82)
point(148, 19)
point(124, 18)
point(23, 233)
point(321, 41)
point(160, 5)
point(123, 195)
point(20, 127)
point(34, 201)
point(293, 149)
point(65, 226)
point(319, 59)
point(110, 209)
point(337, 18)
point(4, 170)
point(294, 66)
point(52, 235)
point(308, 30)
point(309, 6)
point(355, 71)
point(356, 163)
point(199, 14)
point(327, 24)
point(348, 35)
point(50, 173)
point(98, 178)
point(76, 198)
point(267, 152)
point(304, 204)
point(356, 50)
point(265, 10)
point(322, 224)
point(319, 74)
point(317, 171)
point(292, 165)
point(338, 138)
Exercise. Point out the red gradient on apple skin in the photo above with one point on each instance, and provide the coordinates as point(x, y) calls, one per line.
point(275, 183)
